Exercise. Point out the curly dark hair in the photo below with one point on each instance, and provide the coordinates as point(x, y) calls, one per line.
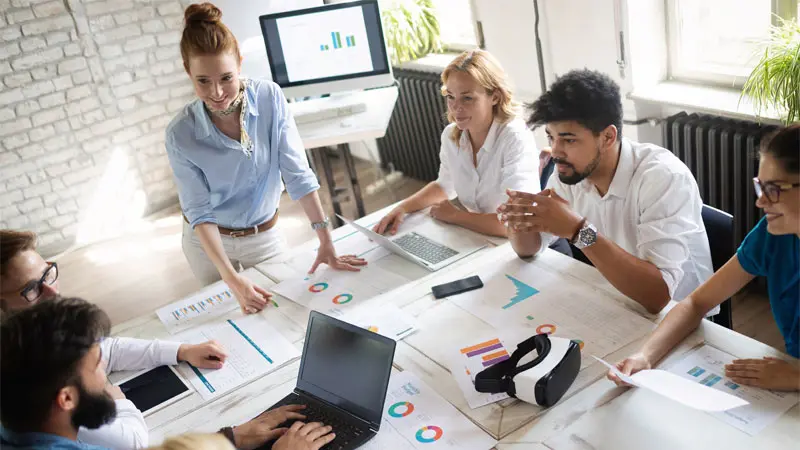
point(588, 97)
point(40, 349)
point(784, 145)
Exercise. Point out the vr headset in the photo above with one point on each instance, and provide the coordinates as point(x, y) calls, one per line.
point(541, 381)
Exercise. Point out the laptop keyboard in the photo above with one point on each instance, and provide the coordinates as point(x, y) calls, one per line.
point(346, 432)
point(424, 248)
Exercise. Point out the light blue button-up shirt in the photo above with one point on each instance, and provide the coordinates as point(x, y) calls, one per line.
point(40, 441)
point(218, 182)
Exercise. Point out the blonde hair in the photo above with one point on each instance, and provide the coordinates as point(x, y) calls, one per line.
point(214, 441)
point(489, 74)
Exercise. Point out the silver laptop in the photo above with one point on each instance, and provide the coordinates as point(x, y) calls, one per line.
point(423, 250)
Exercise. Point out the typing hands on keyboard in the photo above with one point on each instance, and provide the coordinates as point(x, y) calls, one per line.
point(305, 436)
point(315, 428)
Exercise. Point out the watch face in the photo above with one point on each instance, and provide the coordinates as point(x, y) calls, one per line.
point(587, 236)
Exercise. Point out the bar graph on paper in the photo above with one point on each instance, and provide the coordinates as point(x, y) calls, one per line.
point(470, 360)
point(214, 301)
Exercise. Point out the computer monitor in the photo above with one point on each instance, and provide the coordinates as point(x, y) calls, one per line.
point(327, 49)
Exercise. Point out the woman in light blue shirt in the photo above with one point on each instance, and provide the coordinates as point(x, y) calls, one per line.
point(232, 150)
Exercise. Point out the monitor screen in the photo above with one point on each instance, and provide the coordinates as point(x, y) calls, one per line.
point(325, 44)
point(347, 366)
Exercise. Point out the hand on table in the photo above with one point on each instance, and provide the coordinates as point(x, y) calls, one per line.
point(327, 254)
point(257, 431)
point(252, 297)
point(391, 221)
point(543, 212)
point(767, 373)
point(445, 211)
point(305, 436)
point(629, 366)
point(208, 355)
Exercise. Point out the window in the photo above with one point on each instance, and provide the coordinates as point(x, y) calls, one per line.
point(457, 24)
point(717, 41)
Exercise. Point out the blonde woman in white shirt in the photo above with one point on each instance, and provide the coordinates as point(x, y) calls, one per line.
point(486, 149)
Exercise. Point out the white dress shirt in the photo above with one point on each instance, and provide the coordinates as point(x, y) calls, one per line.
point(652, 210)
point(129, 430)
point(507, 160)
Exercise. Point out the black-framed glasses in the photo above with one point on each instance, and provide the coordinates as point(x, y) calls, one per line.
point(772, 189)
point(32, 292)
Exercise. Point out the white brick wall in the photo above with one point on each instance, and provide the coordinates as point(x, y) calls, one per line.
point(86, 88)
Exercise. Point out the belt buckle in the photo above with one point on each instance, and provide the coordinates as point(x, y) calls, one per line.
point(237, 233)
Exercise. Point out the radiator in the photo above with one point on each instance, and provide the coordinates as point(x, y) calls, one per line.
point(723, 156)
point(413, 138)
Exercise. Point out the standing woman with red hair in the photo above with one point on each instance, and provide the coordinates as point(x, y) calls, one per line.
point(232, 150)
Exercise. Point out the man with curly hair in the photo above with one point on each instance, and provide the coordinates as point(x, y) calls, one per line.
point(633, 209)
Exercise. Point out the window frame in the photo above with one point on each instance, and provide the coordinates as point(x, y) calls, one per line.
point(788, 9)
point(458, 47)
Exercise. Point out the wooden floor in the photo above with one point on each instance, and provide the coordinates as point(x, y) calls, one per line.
point(135, 275)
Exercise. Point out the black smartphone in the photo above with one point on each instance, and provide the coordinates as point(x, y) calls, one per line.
point(457, 287)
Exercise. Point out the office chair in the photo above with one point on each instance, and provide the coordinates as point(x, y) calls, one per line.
point(719, 227)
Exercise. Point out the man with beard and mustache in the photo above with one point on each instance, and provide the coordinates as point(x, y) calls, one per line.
point(53, 383)
point(633, 209)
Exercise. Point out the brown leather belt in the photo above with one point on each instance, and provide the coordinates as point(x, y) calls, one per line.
point(266, 226)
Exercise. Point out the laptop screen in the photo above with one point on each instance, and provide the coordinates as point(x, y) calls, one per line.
point(346, 365)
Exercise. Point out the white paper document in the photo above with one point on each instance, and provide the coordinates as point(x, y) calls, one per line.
point(522, 294)
point(254, 349)
point(470, 358)
point(211, 302)
point(387, 320)
point(332, 292)
point(419, 418)
point(706, 366)
point(694, 395)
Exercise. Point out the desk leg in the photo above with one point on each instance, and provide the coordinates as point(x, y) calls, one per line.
point(351, 171)
point(333, 192)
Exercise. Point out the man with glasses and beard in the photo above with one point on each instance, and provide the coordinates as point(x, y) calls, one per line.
point(634, 210)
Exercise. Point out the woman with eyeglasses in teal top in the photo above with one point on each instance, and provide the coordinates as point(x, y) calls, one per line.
point(772, 250)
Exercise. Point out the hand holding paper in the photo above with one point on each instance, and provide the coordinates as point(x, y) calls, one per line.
point(676, 388)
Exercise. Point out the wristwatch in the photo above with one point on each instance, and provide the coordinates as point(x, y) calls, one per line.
point(320, 225)
point(586, 236)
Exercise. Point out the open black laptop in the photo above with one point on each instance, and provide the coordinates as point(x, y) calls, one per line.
point(344, 375)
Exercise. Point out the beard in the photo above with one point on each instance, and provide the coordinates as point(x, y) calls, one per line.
point(576, 176)
point(94, 410)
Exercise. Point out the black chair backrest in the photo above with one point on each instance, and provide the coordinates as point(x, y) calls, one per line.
point(719, 227)
point(546, 172)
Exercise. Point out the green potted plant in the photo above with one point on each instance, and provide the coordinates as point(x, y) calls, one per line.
point(411, 28)
point(774, 83)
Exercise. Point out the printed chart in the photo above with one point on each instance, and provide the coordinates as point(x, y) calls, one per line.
point(467, 361)
point(214, 301)
point(706, 366)
point(254, 349)
point(419, 418)
point(388, 320)
point(529, 296)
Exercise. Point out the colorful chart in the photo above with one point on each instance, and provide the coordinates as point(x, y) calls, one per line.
point(711, 379)
point(523, 292)
point(372, 328)
point(491, 352)
point(731, 385)
point(318, 287)
point(341, 299)
point(202, 305)
point(407, 405)
point(437, 434)
point(546, 328)
point(696, 371)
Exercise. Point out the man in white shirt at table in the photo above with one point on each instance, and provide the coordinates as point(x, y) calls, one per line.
point(27, 279)
point(633, 209)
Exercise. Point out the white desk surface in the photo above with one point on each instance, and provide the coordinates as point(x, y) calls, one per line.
point(369, 124)
point(594, 414)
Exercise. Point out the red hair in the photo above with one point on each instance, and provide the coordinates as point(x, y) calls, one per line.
point(205, 34)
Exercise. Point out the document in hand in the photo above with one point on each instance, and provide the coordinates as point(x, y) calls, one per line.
point(672, 386)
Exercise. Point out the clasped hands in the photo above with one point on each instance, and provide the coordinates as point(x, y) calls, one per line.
point(545, 212)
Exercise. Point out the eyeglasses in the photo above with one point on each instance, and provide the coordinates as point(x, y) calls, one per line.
point(772, 189)
point(32, 292)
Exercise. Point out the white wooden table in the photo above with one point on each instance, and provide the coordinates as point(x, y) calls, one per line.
point(593, 414)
